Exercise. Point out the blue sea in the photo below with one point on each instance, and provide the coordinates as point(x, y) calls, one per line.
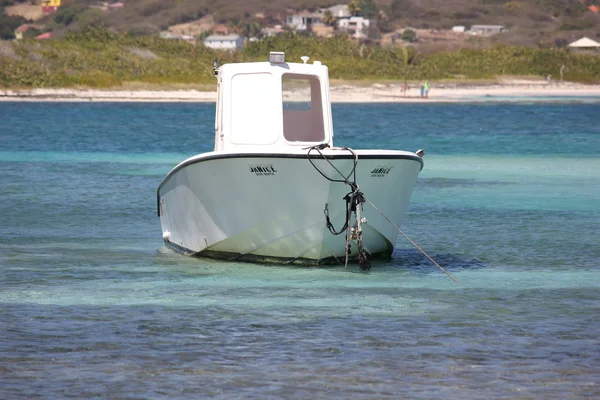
point(93, 306)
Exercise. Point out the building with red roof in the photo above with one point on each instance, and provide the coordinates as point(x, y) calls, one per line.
point(43, 36)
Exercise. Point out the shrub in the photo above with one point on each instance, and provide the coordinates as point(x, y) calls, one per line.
point(92, 18)
point(67, 14)
point(409, 35)
point(8, 24)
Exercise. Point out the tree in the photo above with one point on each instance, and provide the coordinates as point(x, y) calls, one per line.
point(368, 9)
point(409, 35)
point(250, 29)
point(354, 7)
point(31, 33)
point(8, 24)
point(328, 18)
point(92, 17)
point(67, 14)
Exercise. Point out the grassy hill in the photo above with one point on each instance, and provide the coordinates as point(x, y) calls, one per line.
point(98, 58)
point(531, 22)
point(111, 48)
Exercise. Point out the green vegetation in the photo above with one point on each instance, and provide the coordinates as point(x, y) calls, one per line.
point(8, 24)
point(409, 35)
point(97, 58)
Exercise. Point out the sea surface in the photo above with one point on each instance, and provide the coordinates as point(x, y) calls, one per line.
point(92, 306)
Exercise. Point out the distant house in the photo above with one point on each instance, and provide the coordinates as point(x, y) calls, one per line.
point(176, 36)
point(221, 29)
point(458, 28)
point(357, 27)
point(339, 11)
point(585, 45)
point(487, 30)
point(105, 6)
point(44, 36)
point(50, 6)
point(224, 42)
point(100, 5)
point(303, 21)
point(168, 35)
point(20, 31)
point(272, 31)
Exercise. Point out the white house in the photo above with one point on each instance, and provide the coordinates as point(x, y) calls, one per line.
point(272, 30)
point(486, 30)
point(303, 21)
point(171, 35)
point(585, 44)
point(339, 11)
point(224, 42)
point(357, 27)
point(458, 28)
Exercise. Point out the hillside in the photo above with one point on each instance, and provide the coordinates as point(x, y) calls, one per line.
point(531, 22)
point(119, 46)
point(97, 58)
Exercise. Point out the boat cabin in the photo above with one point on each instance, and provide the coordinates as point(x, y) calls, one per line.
point(271, 106)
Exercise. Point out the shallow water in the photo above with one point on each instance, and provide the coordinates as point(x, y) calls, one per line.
point(93, 306)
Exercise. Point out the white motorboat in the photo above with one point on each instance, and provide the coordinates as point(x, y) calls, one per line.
point(275, 189)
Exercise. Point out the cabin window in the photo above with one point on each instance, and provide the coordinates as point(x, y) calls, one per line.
point(253, 107)
point(302, 108)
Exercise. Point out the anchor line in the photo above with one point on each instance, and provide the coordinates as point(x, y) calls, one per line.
point(410, 240)
point(354, 202)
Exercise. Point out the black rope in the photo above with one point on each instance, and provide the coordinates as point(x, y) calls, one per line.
point(322, 146)
point(348, 197)
point(354, 199)
point(330, 225)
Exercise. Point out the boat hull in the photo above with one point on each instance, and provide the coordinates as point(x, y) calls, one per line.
point(270, 207)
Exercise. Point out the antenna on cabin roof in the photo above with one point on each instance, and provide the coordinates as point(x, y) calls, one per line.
point(305, 59)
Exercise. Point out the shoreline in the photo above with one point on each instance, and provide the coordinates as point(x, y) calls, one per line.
point(340, 93)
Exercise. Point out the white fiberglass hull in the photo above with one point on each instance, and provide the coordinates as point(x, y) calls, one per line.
point(270, 206)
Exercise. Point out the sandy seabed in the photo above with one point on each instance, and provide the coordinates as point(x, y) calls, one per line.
point(340, 93)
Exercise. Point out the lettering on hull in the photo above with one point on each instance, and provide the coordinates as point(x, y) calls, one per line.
point(262, 169)
point(380, 171)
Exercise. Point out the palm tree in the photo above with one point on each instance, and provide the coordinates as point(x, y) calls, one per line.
point(354, 7)
point(328, 18)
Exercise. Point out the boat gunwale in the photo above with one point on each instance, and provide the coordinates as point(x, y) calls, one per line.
point(386, 154)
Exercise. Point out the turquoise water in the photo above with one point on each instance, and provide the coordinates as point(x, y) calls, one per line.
point(93, 306)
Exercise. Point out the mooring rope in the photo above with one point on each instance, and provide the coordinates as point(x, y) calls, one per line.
point(354, 201)
point(410, 240)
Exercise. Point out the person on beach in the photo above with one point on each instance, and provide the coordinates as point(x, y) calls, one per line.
point(422, 89)
point(426, 86)
point(404, 88)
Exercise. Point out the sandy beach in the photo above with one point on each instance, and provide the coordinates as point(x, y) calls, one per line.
point(340, 93)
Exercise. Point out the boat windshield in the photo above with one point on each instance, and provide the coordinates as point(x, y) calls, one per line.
point(302, 108)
